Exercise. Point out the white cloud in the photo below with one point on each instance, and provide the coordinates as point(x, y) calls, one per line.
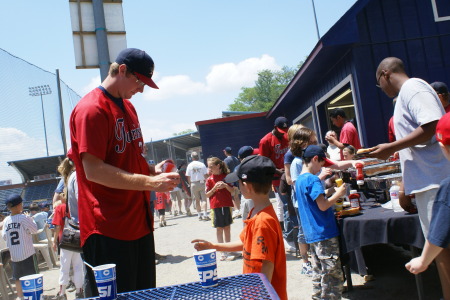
point(222, 78)
point(19, 146)
point(95, 82)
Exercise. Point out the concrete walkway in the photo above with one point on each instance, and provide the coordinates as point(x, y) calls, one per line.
point(392, 281)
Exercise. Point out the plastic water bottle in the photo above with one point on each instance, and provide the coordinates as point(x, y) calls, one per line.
point(394, 193)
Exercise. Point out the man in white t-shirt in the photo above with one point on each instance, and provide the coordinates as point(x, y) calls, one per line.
point(196, 174)
point(416, 113)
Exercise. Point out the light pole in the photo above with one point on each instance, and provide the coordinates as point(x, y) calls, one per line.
point(39, 91)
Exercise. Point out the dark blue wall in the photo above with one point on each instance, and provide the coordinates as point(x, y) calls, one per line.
point(215, 136)
point(401, 28)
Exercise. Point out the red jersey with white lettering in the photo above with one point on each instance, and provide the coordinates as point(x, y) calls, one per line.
point(273, 148)
point(98, 126)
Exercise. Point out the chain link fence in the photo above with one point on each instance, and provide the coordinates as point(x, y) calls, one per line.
point(31, 121)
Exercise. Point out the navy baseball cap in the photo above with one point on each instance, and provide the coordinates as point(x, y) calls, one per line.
point(254, 168)
point(245, 151)
point(282, 124)
point(227, 149)
point(139, 63)
point(316, 150)
point(440, 87)
point(13, 200)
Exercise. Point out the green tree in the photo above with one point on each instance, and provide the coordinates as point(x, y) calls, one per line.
point(268, 87)
point(183, 132)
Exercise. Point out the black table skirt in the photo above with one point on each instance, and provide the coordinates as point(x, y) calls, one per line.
point(377, 225)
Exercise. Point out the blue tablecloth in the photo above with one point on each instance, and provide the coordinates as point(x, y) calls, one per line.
point(245, 286)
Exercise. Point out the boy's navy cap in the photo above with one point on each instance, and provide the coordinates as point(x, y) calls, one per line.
point(254, 168)
point(440, 87)
point(13, 200)
point(316, 150)
point(443, 130)
point(245, 151)
point(282, 124)
point(227, 149)
point(140, 63)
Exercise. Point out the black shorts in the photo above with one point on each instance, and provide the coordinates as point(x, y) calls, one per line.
point(162, 212)
point(25, 267)
point(221, 217)
point(135, 261)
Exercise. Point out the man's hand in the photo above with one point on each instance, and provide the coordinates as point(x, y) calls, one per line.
point(164, 182)
point(354, 162)
point(406, 202)
point(381, 151)
point(331, 139)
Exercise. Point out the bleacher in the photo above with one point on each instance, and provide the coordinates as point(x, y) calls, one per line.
point(5, 193)
point(39, 192)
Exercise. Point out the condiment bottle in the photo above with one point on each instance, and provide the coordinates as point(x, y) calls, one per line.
point(354, 199)
point(394, 193)
point(339, 205)
point(359, 174)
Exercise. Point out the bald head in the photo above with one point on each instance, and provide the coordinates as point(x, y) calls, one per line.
point(393, 64)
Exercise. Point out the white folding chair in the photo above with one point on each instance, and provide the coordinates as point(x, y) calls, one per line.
point(4, 280)
point(46, 246)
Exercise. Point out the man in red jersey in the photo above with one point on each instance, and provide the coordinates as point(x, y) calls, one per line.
point(274, 145)
point(113, 176)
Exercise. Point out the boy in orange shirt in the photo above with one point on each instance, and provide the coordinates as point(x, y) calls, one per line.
point(261, 241)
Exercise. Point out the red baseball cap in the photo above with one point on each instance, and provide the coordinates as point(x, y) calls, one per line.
point(443, 129)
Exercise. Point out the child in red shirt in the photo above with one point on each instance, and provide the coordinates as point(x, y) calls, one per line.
point(221, 201)
point(162, 199)
point(261, 240)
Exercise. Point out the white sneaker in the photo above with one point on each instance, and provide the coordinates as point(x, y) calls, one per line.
point(307, 269)
point(288, 247)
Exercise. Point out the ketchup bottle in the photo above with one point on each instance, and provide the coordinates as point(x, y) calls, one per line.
point(359, 174)
point(354, 199)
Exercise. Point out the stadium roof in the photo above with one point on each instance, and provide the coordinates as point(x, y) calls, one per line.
point(160, 149)
point(29, 168)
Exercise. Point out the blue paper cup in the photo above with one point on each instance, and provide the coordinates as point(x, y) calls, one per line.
point(105, 277)
point(32, 286)
point(207, 267)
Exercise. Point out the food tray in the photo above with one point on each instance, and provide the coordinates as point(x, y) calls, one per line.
point(372, 161)
point(382, 182)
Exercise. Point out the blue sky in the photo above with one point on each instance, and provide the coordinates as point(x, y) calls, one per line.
point(204, 50)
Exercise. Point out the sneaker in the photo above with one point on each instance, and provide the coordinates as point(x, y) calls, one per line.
point(181, 213)
point(79, 295)
point(161, 224)
point(306, 269)
point(230, 257)
point(206, 218)
point(237, 214)
point(175, 213)
point(189, 213)
point(165, 224)
point(200, 218)
point(71, 287)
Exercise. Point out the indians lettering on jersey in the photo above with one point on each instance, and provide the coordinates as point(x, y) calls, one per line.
point(123, 137)
point(279, 152)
